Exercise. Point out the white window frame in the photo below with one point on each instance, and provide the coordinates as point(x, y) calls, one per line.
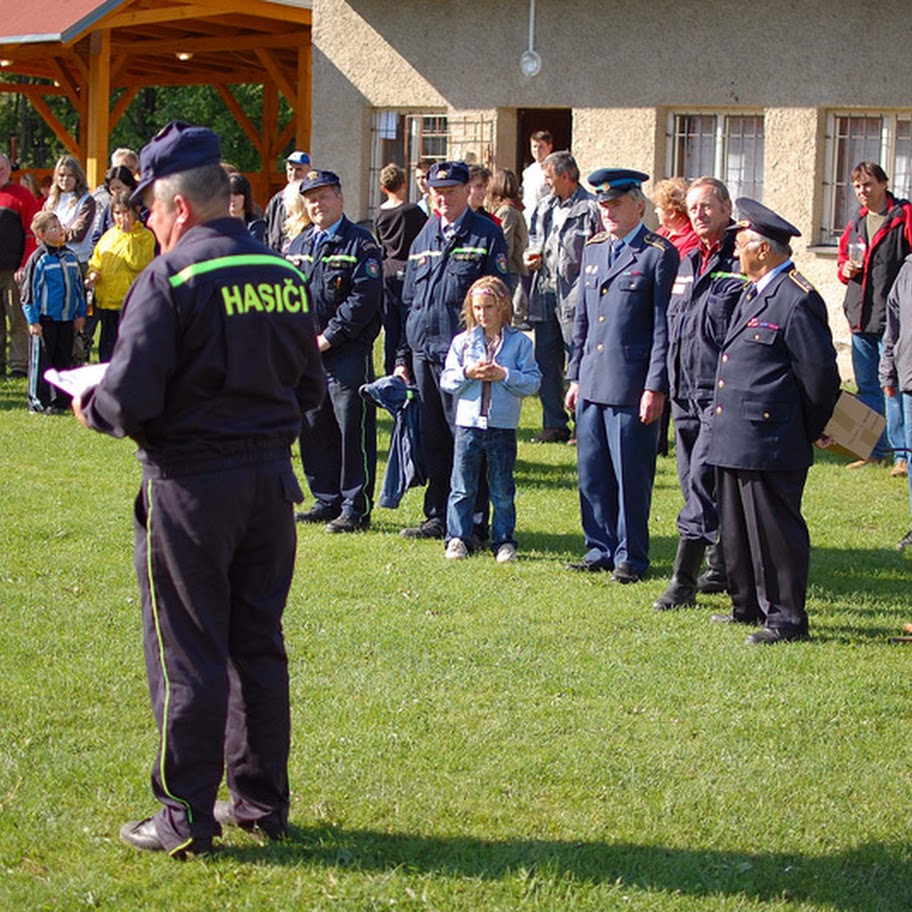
point(891, 148)
point(721, 164)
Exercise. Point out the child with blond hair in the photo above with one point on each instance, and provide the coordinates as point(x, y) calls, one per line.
point(489, 369)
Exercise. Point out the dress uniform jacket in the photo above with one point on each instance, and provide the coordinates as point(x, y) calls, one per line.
point(438, 275)
point(343, 282)
point(777, 381)
point(620, 337)
point(699, 312)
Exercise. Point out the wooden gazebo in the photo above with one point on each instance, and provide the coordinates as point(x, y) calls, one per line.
point(89, 50)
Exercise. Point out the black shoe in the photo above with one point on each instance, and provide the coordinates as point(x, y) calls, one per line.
point(143, 835)
point(318, 513)
point(712, 583)
point(347, 524)
point(905, 542)
point(682, 588)
point(624, 573)
point(589, 566)
point(20, 374)
point(769, 635)
point(430, 528)
point(224, 816)
point(552, 435)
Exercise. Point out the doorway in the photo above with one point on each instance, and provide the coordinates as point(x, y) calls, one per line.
point(557, 121)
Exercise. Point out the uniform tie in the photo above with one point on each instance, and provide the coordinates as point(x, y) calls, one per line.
point(616, 249)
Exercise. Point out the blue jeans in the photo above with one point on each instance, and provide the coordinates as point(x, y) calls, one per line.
point(905, 404)
point(471, 446)
point(866, 352)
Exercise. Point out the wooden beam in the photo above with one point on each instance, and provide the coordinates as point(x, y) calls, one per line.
point(120, 108)
point(304, 96)
point(242, 42)
point(274, 68)
point(263, 10)
point(25, 88)
point(97, 126)
point(132, 18)
point(241, 117)
point(62, 76)
point(50, 118)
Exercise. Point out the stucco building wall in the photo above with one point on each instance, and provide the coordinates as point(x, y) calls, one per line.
point(620, 83)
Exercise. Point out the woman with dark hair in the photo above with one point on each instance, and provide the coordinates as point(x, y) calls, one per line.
point(242, 206)
point(506, 204)
point(119, 179)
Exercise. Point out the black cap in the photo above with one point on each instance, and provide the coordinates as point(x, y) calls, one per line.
point(448, 174)
point(176, 147)
point(313, 180)
point(763, 221)
point(610, 183)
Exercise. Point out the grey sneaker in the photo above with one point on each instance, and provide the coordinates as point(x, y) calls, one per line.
point(456, 549)
point(505, 553)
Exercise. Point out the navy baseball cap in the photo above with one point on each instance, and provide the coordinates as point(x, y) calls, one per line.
point(176, 147)
point(448, 174)
point(763, 221)
point(610, 183)
point(298, 158)
point(313, 180)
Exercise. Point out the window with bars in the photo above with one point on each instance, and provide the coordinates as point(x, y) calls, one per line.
point(726, 146)
point(408, 137)
point(853, 138)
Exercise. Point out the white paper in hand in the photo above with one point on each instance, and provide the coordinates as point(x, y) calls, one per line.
point(76, 380)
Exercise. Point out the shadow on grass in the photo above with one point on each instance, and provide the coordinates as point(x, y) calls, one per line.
point(861, 878)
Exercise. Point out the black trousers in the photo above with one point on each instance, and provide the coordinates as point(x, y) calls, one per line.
point(766, 546)
point(53, 348)
point(214, 558)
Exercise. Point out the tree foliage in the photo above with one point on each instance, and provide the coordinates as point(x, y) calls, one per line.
point(153, 107)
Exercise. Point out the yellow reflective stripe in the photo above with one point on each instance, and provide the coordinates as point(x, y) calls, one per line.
point(163, 749)
point(425, 253)
point(344, 257)
point(479, 250)
point(230, 262)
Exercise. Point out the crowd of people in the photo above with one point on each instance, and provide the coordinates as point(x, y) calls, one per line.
point(256, 331)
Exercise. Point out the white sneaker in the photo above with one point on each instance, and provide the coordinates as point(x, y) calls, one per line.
point(505, 553)
point(456, 549)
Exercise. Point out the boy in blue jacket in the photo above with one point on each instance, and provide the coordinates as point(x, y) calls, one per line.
point(489, 369)
point(54, 304)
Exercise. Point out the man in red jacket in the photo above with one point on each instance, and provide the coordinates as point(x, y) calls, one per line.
point(17, 208)
point(871, 251)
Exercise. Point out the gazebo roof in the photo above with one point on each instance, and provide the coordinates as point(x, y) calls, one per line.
point(85, 50)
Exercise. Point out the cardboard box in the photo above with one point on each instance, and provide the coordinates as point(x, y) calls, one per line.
point(854, 427)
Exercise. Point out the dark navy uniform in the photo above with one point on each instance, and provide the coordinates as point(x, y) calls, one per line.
point(439, 273)
point(776, 387)
point(214, 365)
point(620, 345)
point(699, 312)
point(339, 437)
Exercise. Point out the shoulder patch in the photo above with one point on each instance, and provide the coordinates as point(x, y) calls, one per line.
point(656, 240)
point(800, 280)
point(599, 238)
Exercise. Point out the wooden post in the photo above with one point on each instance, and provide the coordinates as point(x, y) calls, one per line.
point(305, 93)
point(97, 128)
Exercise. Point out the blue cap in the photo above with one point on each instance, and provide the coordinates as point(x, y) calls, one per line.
point(176, 147)
point(448, 174)
point(610, 183)
point(763, 221)
point(298, 158)
point(313, 180)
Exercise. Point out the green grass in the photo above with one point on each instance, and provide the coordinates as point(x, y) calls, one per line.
point(467, 736)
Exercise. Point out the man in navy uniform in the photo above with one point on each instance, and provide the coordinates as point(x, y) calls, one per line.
point(214, 365)
point(618, 375)
point(339, 437)
point(456, 246)
point(776, 386)
point(707, 288)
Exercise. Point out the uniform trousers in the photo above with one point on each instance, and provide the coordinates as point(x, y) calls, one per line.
point(393, 320)
point(699, 517)
point(214, 557)
point(339, 436)
point(10, 309)
point(616, 459)
point(552, 349)
point(766, 546)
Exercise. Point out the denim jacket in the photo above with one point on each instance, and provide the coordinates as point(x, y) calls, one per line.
point(514, 354)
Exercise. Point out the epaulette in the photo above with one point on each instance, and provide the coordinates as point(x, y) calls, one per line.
point(599, 238)
point(656, 240)
point(800, 280)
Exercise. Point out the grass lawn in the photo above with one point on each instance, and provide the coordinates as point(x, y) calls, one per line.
point(467, 736)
